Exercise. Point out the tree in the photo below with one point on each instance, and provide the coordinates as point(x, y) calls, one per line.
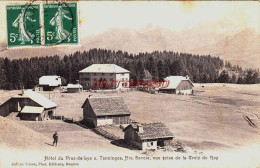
point(140, 70)
point(63, 81)
point(32, 80)
point(152, 68)
point(161, 70)
point(8, 73)
point(26, 72)
point(176, 68)
point(3, 79)
point(255, 77)
point(167, 69)
point(17, 75)
point(224, 77)
point(250, 79)
point(240, 80)
point(68, 72)
point(233, 79)
point(204, 78)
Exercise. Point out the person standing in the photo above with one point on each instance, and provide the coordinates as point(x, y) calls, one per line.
point(55, 138)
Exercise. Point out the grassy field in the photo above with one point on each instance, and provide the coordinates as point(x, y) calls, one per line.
point(212, 119)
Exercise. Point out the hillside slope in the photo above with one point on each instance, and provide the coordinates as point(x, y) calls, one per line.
point(15, 135)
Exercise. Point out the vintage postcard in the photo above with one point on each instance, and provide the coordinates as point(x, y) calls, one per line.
point(120, 84)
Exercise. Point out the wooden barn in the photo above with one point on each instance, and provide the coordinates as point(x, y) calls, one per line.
point(29, 105)
point(178, 85)
point(150, 136)
point(98, 111)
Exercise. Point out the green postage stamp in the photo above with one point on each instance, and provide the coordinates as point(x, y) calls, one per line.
point(23, 25)
point(60, 23)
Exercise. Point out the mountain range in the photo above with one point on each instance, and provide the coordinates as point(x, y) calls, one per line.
point(239, 47)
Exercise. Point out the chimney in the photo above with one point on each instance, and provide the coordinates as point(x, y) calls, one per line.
point(22, 91)
point(140, 128)
point(187, 77)
point(89, 96)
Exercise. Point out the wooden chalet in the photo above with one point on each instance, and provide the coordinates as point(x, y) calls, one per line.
point(98, 111)
point(29, 105)
point(150, 136)
point(178, 85)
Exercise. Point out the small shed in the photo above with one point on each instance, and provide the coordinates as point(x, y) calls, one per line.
point(148, 136)
point(30, 105)
point(49, 83)
point(178, 85)
point(74, 88)
point(98, 111)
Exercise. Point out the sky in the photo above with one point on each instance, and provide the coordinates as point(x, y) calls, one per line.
point(98, 16)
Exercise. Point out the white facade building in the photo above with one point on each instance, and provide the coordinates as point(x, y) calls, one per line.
point(104, 76)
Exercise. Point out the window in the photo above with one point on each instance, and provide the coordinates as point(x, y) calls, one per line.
point(102, 74)
point(84, 79)
point(111, 74)
point(94, 74)
point(149, 144)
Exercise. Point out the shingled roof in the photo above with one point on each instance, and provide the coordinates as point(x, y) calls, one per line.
point(103, 106)
point(151, 130)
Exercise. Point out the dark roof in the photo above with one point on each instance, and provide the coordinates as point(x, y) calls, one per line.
point(152, 130)
point(103, 106)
